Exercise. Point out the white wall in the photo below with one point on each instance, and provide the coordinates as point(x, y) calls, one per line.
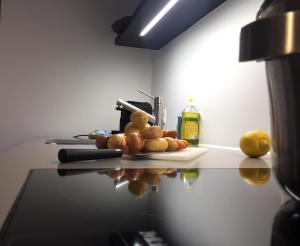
point(203, 64)
point(60, 72)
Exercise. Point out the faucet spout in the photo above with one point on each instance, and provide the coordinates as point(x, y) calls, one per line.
point(158, 111)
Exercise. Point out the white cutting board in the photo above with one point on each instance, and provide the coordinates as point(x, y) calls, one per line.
point(181, 155)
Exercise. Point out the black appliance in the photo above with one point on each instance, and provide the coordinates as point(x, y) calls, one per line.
point(125, 114)
point(275, 38)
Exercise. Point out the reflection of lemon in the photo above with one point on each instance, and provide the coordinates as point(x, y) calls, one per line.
point(255, 176)
point(255, 143)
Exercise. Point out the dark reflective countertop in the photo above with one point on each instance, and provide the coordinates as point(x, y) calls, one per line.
point(145, 207)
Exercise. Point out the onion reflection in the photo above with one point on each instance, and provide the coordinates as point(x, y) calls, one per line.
point(140, 181)
point(137, 188)
point(255, 172)
point(116, 174)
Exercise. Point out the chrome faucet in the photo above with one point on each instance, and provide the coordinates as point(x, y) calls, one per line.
point(157, 117)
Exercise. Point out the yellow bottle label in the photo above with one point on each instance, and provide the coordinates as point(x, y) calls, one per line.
point(190, 127)
point(191, 130)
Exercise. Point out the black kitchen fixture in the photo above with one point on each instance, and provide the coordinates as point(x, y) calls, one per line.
point(168, 19)
point(275, 38)
point(125, 114)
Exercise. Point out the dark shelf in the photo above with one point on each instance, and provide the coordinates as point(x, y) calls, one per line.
point(181, 17)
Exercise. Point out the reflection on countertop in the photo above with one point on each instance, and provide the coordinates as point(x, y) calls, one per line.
point(184, 206)
point(142, 181)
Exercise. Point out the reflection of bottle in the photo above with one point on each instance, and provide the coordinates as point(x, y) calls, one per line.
point(190, 125)
point(189, 176)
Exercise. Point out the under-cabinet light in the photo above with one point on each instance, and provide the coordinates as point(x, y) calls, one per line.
point(158, 17)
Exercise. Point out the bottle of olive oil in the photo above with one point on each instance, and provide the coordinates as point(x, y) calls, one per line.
point(190, 125)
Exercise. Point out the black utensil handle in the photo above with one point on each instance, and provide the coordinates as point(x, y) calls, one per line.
point(68, 172)
point(70, 155)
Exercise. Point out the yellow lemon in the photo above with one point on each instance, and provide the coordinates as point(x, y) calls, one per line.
point(255, 143)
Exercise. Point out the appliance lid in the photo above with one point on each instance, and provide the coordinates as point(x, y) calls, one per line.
point(271, 37)
point(275, 33)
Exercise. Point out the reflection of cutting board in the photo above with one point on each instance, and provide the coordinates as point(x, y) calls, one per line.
point(182, 155)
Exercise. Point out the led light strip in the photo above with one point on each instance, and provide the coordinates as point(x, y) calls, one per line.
point(158, 17)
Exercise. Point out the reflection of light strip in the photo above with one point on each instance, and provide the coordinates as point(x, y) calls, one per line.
point(289, 35)
point(158, 17)
point(122, 183)
point(292, 193)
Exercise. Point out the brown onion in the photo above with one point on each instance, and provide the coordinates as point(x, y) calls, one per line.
point(116, 141)
point(135, 143)
point(101, 142)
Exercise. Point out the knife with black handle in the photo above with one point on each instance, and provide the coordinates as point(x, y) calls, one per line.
point(71, 155)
